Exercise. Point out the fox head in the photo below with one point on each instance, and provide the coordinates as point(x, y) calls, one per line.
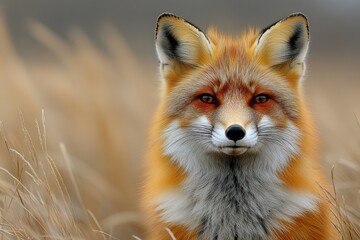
point(232, 99)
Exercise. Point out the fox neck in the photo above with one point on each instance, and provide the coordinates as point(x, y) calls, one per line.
point(235, 198)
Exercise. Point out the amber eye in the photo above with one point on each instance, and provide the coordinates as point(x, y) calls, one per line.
point(261, 98)
point(207, 98)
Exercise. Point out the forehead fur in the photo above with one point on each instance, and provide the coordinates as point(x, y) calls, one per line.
point(233, 57)
point(246, 39)
point(234, 62)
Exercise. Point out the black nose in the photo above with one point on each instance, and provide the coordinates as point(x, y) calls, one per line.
point(235, 132)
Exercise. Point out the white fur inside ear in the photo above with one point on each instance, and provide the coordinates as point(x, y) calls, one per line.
point(163, 58)
point(182, 42)
point(188, 50)
point(287, 40)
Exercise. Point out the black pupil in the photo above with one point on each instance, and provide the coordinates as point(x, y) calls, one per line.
point(261, 99)
point(207, 99)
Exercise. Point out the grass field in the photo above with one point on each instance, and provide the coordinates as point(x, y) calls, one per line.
point(73, 132)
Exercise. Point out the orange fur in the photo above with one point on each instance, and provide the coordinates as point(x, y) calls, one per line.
point(311, 225)
point(301, 172)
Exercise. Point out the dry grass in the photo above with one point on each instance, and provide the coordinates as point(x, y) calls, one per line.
point(76, 176)
point(85, 187)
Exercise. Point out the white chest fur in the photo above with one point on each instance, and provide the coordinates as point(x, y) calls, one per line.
point(230, 203)
point(232, 197)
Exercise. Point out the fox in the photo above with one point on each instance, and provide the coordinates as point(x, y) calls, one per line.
point(233, 150)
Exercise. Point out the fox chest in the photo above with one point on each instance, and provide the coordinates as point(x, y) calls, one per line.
point(232, 206)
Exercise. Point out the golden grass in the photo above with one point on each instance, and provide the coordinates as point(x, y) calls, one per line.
point(76, 176)
point(85, 187)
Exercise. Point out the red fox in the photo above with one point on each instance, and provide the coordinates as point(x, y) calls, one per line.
point(233, 148)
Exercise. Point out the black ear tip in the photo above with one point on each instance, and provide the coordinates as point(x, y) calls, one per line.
point(166, 14)
point(161, 16)
point(303, 16)
point(298, 14)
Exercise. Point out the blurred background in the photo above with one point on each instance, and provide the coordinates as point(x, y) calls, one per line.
point(78, 85)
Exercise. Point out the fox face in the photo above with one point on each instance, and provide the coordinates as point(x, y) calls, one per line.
point(229, 99)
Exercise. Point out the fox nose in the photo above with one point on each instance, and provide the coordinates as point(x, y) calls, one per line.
point(235, 132)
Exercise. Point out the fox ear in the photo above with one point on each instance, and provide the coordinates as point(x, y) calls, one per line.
point(179, 41)
point(285, 41)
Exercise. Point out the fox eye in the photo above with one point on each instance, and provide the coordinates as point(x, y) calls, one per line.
point(261, 98)
point(208, 98)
